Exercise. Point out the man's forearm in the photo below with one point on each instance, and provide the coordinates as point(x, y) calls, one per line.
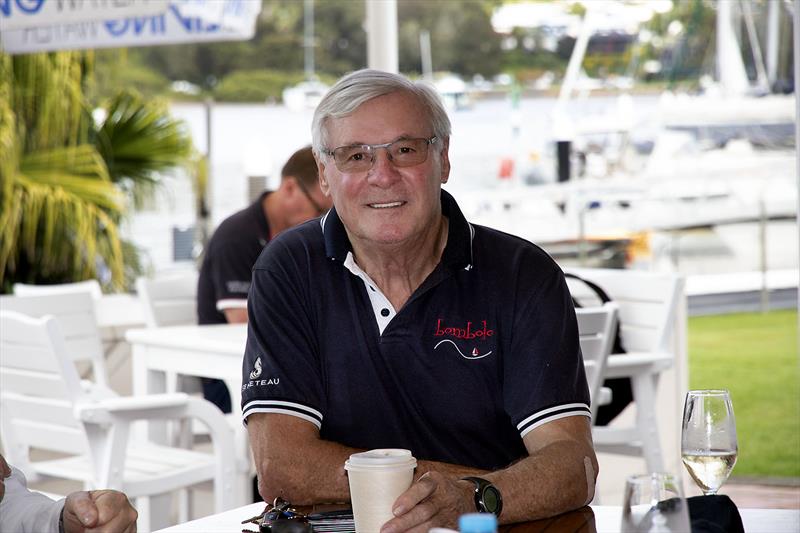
point(555, 479)
point(310, 470)
point(448, 469)
point(295, 464)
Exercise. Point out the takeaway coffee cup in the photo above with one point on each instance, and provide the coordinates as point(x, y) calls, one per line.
point(377, 478)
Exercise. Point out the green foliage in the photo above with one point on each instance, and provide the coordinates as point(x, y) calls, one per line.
point(255, 85)
point(463, 42)
point(116, 69)
point(755, 357)
point(64, 177)
point(58, 204)
point(601, 65)
point(462, 38)
point(341, 43)
point(138, 141)
point(685, 55)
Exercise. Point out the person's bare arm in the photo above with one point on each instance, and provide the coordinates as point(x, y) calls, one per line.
point(557, 476)
point(295, 463)
point(236, 315)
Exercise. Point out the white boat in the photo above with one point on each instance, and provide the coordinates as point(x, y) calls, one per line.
point(454, 93)
point(305, 95)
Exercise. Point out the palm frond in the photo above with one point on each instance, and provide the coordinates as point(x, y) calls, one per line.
point(78, 170)
point(63, 179)
point(138, 140)
point(52, 231)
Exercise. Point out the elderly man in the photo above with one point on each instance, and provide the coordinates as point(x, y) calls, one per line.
point(393, 322)
point(21, 510)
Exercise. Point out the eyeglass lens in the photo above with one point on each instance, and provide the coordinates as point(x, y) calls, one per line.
point(360, 157)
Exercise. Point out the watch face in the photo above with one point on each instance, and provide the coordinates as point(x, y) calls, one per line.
point(491, 499)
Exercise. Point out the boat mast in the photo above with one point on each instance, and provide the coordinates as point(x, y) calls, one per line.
point(308, 38)
point(732, 75)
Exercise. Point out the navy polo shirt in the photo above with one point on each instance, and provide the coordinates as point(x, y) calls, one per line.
point(484, 351)
point(227, 267)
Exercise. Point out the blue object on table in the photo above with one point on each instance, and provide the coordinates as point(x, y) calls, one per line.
point(477, 523)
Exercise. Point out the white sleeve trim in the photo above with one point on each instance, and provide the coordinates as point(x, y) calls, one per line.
point(550, 414)
point(281, 407)
point(231, 303)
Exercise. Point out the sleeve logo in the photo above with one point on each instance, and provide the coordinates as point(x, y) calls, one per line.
point(256, 369)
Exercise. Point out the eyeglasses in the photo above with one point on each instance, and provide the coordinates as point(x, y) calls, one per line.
point(360, 157)
point(320, 210)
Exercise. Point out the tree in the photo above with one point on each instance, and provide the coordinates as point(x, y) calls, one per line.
point(462, 37)
point(63, 178)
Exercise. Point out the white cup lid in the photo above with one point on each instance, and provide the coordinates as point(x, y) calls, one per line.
point(381, 458)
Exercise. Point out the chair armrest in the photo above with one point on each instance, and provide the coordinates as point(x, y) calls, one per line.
point(154, 407)
point(149, 406)
point(636, 363)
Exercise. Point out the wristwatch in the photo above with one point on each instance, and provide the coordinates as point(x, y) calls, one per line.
point(487, 497)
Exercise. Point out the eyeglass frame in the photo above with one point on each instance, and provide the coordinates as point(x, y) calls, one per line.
point(320, 210)
point(372, 147)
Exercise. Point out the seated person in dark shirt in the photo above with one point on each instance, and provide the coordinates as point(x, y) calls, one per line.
point(233, 249)
point(392, 322)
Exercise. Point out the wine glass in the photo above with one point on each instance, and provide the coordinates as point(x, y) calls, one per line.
point(708, 438)
point(654, 503)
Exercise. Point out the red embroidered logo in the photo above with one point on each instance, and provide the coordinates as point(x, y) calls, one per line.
point(463, 333)
point(466, 333)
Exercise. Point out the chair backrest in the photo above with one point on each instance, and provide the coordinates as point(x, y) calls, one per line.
point(76, 320)
point(648, 304)
point(92, 286)
point(169, 300)
point(596, 329)
point(39, 386)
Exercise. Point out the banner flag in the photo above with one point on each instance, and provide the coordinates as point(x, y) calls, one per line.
point(231, 14)
point(170, 27)
point(17, 14)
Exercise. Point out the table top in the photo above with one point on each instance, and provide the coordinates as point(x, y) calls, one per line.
point(218, 338)
point(597, 518)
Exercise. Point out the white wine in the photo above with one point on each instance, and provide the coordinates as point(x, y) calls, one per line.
point(709, 468)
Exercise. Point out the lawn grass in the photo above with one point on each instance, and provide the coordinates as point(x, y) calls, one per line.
point(754, 356)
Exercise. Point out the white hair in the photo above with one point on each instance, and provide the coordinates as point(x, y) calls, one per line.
point(355, 88)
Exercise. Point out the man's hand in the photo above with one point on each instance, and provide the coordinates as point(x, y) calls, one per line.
point(435, 500)
point(5, 471)
point(100, 511)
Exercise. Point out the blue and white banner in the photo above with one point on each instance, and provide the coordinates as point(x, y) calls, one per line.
point(170, 27)
point(16, 14)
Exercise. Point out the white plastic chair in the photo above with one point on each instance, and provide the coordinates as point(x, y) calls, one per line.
point(169, 300)
point(172, 301)
point(92, 286)
point(654, 339)
point(74, 311)
point(596, 327)
point(45, 407)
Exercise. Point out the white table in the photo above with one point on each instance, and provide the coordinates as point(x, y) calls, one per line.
point(213, 351)
point(607, 520)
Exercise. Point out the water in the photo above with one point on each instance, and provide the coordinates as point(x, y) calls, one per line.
point(255, 140)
